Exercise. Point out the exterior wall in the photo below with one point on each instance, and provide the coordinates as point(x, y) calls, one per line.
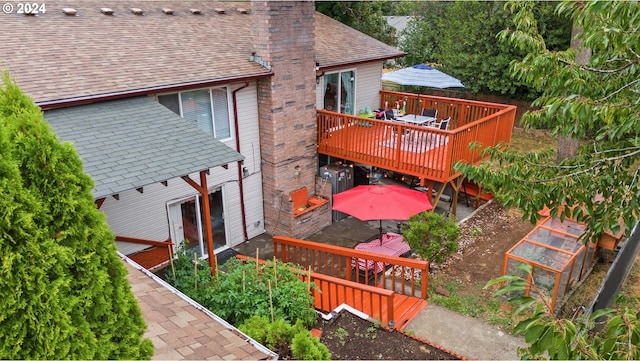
point(368, 85)
point(284, 32)
point(144, 215)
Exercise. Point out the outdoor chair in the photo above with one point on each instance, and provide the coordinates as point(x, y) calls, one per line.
point(444, 124)
point(430, 113)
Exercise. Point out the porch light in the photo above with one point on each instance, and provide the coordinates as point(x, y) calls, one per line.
point(319, 73)
point(252, 57)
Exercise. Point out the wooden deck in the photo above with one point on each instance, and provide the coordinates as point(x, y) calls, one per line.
point(151, 258)
point(424, 152)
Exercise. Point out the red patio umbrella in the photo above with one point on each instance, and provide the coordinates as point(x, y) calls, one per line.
point(378, 202)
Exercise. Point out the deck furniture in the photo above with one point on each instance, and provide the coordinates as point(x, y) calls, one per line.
point(417, 119)
point(392, 245)
point(430, 113)
point(443, 124)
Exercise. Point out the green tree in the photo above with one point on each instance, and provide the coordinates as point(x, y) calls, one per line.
point(63, 289)
point(433, 236)
point(364, 16)
point(419, 38)
point(606, 334)
point(460, 37)
point(596, 103)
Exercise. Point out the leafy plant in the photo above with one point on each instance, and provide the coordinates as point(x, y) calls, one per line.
point(432, 236)
point(306, 347)
point(570, 339)
point(593, 101)
point(281, 337)
point(246, 289)
point(476, 231)
point(342, 335)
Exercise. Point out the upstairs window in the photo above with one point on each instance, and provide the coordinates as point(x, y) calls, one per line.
point(208, 109)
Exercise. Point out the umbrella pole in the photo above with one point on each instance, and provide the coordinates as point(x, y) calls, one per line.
point(381, 232)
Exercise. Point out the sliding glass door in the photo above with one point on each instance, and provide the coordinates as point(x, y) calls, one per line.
point(187, 225)
point(339, 92)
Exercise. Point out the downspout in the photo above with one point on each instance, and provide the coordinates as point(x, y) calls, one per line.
point(240, 173)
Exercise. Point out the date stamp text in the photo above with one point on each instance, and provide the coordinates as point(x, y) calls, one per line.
point(26, 8)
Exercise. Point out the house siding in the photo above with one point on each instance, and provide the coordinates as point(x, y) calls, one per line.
point(368, 85)
point(144, 215)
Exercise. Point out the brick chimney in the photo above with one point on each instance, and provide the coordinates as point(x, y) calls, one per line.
point(284, 33)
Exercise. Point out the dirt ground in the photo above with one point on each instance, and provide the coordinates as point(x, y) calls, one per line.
point(349, 337)
point(485, 238)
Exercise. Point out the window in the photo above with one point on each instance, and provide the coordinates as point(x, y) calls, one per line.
point(339, 92)
point(209, 109)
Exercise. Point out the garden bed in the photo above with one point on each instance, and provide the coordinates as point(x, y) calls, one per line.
point(349, 337)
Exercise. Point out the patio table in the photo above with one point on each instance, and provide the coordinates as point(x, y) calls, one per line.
point(417, 119)
point(392, 245)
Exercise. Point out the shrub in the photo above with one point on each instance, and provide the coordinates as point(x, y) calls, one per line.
point(306, 347)
point(286, 340)
point(433, 236)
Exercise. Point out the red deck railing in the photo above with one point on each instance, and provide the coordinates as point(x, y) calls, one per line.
point(331, 292)
point(409, 278)
point(423, 152)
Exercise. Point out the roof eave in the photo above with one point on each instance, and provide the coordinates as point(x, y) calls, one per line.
point(362, 61)
point(67, 102)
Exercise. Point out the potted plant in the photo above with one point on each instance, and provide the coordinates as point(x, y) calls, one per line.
point(432, 236)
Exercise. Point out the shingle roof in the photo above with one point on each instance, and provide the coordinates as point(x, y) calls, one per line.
point(338, 44)
point(54, 56)
point(181, 329)
point(130, 143)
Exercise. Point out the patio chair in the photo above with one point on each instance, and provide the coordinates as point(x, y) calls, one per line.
point(430, 113)
point(444, 124)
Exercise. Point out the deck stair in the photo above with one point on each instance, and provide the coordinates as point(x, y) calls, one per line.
point(386, 296)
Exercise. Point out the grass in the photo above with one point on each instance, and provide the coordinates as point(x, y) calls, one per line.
point(527, 141)
point(468, 300)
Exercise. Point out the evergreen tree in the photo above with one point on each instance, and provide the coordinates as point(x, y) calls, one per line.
point(63, 289)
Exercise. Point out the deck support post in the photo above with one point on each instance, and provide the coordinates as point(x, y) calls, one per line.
point(455, 184)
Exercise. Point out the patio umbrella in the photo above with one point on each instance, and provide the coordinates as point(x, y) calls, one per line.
point(424, 76)
point(378, 202)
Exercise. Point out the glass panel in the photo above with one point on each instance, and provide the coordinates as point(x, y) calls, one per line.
point(217, 220)
point(545, 281)
point(170, 101)
point(190, 226)
point(331, 84)
point(347, 80)
point(221, 113)
point(555, 239)
point(196, 106)
point(541, 255)
point(566, 226)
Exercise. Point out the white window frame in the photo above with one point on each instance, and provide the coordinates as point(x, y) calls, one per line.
point(339, 89)
point(211, 104)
